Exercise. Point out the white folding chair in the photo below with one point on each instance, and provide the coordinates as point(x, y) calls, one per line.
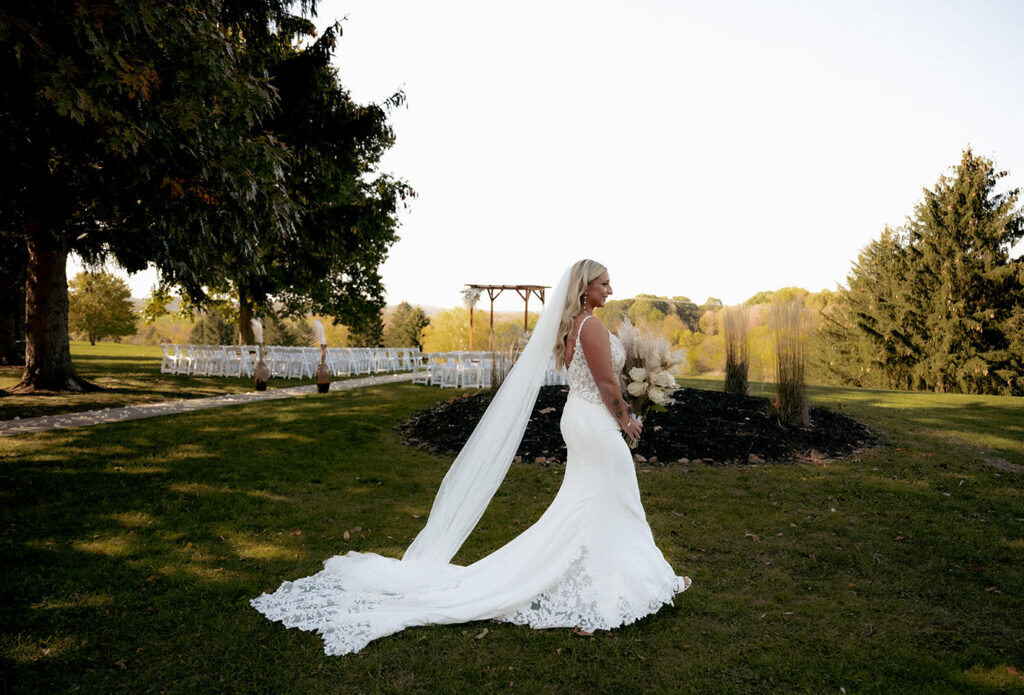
point(449, 372)
point(302, 361)
point(336, 361)
point(359, 361)
point(249, 356)
point(219, 360)
point(276, 359)
point(405, 359)
point(393, 359)
point(486, 370)
point(186, 357)
point(421, 370)
point(167, 362)
point(470, 376)
point(232, 360)
point(200, 361)
point(435, 364)
point(379, 359)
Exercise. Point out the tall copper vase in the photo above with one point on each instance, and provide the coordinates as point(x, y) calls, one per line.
point(323, 372)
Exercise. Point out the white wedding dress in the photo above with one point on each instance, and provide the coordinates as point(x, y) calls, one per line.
point(589, 561)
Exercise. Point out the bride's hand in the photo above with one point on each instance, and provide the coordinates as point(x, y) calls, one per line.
point(633, 428)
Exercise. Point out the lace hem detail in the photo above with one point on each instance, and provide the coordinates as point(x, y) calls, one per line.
point(318, 604)
point(347, 620)
point(574, 603)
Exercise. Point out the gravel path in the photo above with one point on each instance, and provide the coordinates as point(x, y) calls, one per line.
point(137, 412)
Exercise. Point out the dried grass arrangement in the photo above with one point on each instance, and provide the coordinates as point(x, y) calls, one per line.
point(790, 325)
point(501, 365)
point(470, 297)
point(737, 361)
point(504, 358)
point(647, 373)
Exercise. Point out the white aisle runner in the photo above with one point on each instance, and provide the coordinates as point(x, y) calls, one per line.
point(185, 405)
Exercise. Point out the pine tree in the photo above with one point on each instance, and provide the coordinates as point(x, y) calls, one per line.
point(405, 327)
point(965, 287)
point(879, 302)
point(938, 304)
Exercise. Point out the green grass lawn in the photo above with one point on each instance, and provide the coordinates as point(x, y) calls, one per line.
point(130, 552)
point(129, 375)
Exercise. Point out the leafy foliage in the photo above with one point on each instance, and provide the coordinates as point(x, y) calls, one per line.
point(156, 304)
point(347, 209)
point(649, 310)
point(131, 132)
point(100, 306)
point(449, 330)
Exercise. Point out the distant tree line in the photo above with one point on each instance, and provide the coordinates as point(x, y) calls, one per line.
point(937, 304)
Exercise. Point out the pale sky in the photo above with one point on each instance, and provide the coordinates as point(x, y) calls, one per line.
point(698, 149)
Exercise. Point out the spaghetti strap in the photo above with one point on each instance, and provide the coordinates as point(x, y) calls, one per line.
point(580, 329)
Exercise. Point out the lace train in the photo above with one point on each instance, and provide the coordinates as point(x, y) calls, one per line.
point(590, 561)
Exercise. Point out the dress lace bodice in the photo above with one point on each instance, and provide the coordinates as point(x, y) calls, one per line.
point(581, 380)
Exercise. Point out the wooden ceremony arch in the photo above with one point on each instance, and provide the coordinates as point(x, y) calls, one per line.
point(493, 291)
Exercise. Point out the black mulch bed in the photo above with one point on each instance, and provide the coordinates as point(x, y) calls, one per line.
point(700, 427)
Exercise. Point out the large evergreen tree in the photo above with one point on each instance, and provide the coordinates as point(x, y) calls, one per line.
point(878, 344)
point(405, 326)
point(939, 304)
point(963, 284)
point(347, 217)
point(128, 130)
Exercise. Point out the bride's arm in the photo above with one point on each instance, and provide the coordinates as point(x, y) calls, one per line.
point(594, 341)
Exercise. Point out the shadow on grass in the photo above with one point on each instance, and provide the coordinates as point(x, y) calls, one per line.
point(112, 542)
point(130, 552)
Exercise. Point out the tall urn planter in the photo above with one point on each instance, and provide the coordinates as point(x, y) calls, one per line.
point(261, 372)
point(323, 372)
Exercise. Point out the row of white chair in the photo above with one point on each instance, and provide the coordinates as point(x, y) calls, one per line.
point(283, 362)
point(471, 370)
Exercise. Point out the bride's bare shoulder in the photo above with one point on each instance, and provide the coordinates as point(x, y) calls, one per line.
point(592, 327)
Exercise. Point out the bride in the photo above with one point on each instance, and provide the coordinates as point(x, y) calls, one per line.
point(589, 562)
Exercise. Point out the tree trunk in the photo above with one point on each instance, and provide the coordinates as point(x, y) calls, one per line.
point(244, 318)
point(47, 352)
point(12, 309)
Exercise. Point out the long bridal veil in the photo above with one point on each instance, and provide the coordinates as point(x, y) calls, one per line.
point(590, 560)
point(480, 467)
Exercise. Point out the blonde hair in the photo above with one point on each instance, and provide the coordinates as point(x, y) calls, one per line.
point(583, 273)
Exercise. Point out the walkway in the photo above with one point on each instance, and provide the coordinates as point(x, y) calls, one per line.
point(137, 412)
